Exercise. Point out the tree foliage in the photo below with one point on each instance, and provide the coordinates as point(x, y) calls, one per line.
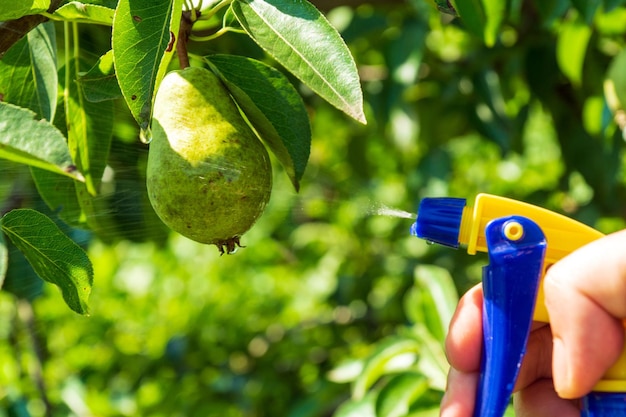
point(332, 308)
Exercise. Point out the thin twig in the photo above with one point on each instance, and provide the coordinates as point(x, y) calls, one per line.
point(189, 16)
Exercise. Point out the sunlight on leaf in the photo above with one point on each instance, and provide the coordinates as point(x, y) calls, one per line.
point(37, 143)
point(143, 45)
point(75, 11)
point(298, 36)
point(274, 108)
point(43, 55)
point(377, 363)
point(15, 9)
point(53, 255)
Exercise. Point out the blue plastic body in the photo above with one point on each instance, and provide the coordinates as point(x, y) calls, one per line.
point(439, 220)
point(510, 285)
point(604, 404)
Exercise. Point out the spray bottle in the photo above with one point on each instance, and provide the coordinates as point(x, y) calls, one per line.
point(522, 242)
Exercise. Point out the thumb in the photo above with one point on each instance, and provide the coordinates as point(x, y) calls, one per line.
point(585, 294)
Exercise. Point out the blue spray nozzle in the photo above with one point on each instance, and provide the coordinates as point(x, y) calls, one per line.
point(439, 220)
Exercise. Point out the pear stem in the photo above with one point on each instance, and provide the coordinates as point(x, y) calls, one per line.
point(188, 18)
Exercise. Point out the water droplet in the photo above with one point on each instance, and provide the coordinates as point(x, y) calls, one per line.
point(430, 242)
point(145, 135)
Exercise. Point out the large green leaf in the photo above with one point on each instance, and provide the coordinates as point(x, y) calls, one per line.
point(16, 77)
point(12, 9)
point(143, 39)
point(53, 255)
point(42, 46)
point(89, 129)
point(273, 106)
point(75, 11)
point(28, 72)
point(37, 143)
point(298, 36)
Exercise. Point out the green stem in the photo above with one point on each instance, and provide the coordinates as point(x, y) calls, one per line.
point(215, 9)
point(217, 34)
point(66, 87)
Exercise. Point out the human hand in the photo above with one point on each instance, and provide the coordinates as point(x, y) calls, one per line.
point(585, 294)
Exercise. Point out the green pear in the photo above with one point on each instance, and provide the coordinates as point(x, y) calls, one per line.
point(208, 175)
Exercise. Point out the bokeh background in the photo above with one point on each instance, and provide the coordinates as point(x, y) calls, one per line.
point(332, 308)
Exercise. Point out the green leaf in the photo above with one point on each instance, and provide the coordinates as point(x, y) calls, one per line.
point(472, 15)
point(89, 130)
point(299, 37)
point(616, 82)
point(53, 255)
point(37, 143)
point(12, 9)
point(16, 79)
point(432, 362)
point(273, 106)
point(396, 398)
point(143, 39)
point(4, 260)
point(445, 6)
point(364, 407)
point(28, 72)
point(377, 363)
point(495, 14)
point(59, 194)
point(21, 279)
point(100, 83)
point(572, 47)
point(439, 298)
point(42, 42)
point(76, 11)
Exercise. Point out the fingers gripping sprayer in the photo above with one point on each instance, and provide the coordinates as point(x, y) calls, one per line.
point(522, 241)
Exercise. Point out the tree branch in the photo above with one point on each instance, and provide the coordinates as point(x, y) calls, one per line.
point(12, 31)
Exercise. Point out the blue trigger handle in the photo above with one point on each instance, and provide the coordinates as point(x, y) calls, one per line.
point(604, 404)
point(516, 247)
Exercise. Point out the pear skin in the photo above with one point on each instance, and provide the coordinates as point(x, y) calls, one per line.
point(208, 175)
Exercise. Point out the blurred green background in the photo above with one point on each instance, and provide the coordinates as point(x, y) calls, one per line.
point(331, 308)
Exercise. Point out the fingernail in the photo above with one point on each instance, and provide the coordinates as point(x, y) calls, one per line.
point(560, 368)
